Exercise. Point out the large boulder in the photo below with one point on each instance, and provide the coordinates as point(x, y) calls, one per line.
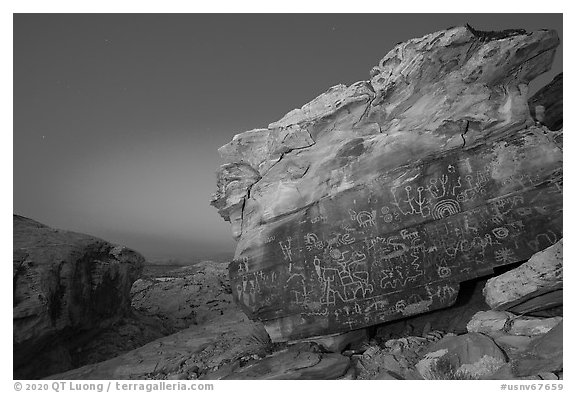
point(495, 323)
point(374, 201)
point(534, 285)
point(67, 287)
point(469, 356)
point(542, 355)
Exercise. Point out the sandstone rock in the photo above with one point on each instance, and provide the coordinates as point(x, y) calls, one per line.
point(187, 296)
point(489, 321)
point(499, 322)
point(379, 363)
point(469, 356)
point(374, 201)
point(544, 354)
point(67, 287)
point(546, 105)
point(548, 376)
point(350, 374)
point(130, 332)
point(450, 320)
point(542, 274)
point(338, 342)
point(385, 376)
point(294, 364)
point(512, 345)
point(525, 326)
point(196, 350)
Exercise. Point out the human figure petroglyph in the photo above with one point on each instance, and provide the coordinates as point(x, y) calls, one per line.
point(442, 293)
point(422, 203)
point(286, 247)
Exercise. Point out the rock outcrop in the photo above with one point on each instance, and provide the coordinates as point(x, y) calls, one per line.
point(496, 323)
point(67, 287)
point(210, 351)
point(294, 363)
point(534, 285)
point(469, 356)
point(374, 201)
point(542, 355)
point(191, 295)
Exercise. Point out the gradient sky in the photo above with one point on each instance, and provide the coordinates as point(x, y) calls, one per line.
point(118, 118)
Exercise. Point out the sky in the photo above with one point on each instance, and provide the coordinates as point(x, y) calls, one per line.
point(118, 117)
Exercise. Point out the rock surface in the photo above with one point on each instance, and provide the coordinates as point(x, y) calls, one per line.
point(67, 287)
point(374, 201)
point(469, 356)
point(536, 284)
point(501, 322)
point(339, 342)
point(546, 105)
point(293, 363)
point(196, 352)
point(542, 355)
point(191, 295)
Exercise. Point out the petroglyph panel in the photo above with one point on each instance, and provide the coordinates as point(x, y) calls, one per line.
point(400, 244)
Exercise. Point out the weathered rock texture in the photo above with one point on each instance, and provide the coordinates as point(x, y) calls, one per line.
point(469, 356)
point(373, 201)
point(543, 354)
point(546, 105)
point(495, 323)
point(196, 350)
point(191, 295)
point(292, 363)
point(67, 286)
point(536, 284)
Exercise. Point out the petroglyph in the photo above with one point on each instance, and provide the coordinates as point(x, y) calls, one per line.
point(364, 266)
point(286, 248)
point(505, 255)
point(445, 208)
point(500, 232)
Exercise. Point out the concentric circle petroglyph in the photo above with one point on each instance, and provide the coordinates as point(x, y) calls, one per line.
point(445, 208)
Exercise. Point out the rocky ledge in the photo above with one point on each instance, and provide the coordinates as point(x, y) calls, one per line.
point(374, 201)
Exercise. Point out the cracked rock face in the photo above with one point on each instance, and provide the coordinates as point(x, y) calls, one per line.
point(67, 286)
point(373, 201)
